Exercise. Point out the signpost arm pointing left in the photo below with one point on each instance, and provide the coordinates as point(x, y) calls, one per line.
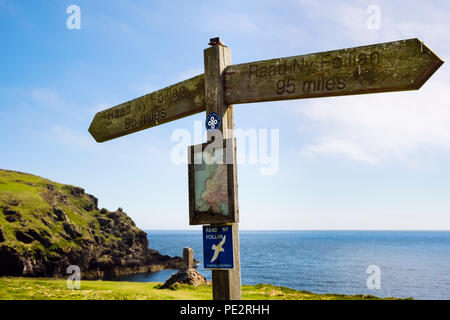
point(171, 103)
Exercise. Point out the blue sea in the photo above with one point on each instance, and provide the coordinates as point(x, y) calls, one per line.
point(410, 264)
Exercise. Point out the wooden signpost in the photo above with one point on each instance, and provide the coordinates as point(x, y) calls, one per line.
point(226, 283)
point(393, 66)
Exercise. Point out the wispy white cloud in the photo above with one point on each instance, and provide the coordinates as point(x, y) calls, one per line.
point(47, 98)
point(330, 146)
point(72, 138)
point(378, 128)
point(116, 150)
point(348, 21)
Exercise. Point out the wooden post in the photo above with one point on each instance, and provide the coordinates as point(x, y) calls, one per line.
point(188, 258)
point(226, 283)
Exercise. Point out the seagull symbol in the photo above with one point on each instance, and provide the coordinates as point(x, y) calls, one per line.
point(218, 248)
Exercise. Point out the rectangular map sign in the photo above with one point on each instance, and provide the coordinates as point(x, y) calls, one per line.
point(384, 67)
point(218, 247)
point(212, 189)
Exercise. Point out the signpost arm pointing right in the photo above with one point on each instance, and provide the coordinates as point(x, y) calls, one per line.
point(385, 67)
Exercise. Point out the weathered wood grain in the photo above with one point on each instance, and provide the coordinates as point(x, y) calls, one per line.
point(226, 283)
point(171, 103)
point(216, 59)
point(392, 66)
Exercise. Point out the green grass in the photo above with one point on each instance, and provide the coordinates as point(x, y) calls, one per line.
point(34, 203)
point(56, 289)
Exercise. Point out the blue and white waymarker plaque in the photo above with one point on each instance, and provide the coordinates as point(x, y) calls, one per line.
point(212, 121)
point(218, 247)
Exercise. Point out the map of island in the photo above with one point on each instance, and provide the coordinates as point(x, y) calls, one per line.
point(211, 186)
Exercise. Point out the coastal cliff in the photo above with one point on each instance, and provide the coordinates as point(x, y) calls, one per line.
point(47, 226)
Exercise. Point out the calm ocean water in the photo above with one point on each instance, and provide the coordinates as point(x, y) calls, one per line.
point(412, 264)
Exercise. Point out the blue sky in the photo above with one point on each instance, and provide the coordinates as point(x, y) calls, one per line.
point(377, 161)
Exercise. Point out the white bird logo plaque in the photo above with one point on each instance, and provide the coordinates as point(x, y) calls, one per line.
point(218, 249)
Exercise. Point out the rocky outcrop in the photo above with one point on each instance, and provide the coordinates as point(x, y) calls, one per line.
point(186, 276)
point(61, 225)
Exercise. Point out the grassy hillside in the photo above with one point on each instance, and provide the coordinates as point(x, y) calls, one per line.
point(46, 226)
point(31, 204)
point(44, 289)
